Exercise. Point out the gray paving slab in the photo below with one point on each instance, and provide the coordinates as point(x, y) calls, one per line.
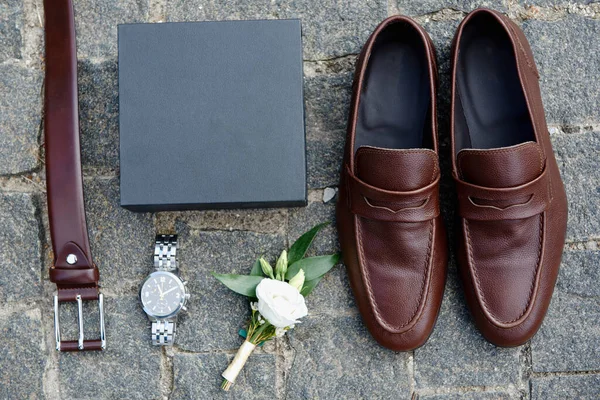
point(96, 24)
point(199, 376)
point(577, 157)
point(552, 3)
point(327, 99)
point(324, 154)
point(20, 118)
point(20, 248)
point(569, 339)
point(334, 357)
point(494, 395)
point(580, 387)
point(11, 15)
point(122, 241)
point(23, 355)
point(415, 8)
point(99, 114)
point(566, 52)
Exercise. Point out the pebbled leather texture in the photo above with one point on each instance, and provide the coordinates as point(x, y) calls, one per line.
point(68, 227)
point(388, 215)
point(512, 202)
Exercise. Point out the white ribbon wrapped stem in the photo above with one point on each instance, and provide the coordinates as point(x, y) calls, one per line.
point(232, 372)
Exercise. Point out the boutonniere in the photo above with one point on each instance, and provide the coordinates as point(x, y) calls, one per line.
point(276, 296)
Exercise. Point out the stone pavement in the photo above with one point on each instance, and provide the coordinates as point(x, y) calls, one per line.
point(330, 356)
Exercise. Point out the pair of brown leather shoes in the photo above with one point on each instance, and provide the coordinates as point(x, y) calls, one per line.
point(511, 200)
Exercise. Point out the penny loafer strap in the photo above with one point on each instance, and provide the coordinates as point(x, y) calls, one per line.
point(524, 201)
point(375, 203)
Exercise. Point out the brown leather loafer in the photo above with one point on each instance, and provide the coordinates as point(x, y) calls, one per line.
point(512, 203)
point(388, 215)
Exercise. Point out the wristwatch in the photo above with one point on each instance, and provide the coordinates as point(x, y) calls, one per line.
point(163, 294)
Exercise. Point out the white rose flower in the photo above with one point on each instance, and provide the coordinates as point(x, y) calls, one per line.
point(280, 303)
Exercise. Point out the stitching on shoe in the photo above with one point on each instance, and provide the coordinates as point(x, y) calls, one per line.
point(367, 281)
point(537, 268)
point(478, 283)
point(475, 275)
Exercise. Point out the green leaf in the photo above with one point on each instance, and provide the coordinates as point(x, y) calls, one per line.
point(298, 249)
point(314, 267)
point(242, 284)
point(309, 286)
point(256, 269)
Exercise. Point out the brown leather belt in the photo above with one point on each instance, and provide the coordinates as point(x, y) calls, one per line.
point(73, 270)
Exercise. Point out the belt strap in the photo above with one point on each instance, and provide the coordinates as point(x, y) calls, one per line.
point(73, 270)
point(375, 203)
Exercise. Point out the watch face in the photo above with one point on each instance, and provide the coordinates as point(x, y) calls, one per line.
point(162, 294)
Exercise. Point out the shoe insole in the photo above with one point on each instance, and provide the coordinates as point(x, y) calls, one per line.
point(395, 96)
point(491, 96)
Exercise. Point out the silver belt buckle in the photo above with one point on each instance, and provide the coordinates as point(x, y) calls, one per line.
point(80, 340)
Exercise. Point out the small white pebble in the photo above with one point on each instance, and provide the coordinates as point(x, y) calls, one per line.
point(328, 194)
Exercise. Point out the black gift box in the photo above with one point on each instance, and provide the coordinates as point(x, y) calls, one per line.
point(211, 115)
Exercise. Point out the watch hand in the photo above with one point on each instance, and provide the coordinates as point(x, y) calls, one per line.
point(169, 290)
point(160, 291)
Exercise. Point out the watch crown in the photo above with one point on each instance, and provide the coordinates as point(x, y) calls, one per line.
point(187, 295)
point(184, 283)
point(184, 308)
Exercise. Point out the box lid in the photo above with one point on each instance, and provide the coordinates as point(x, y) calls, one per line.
point(211, 115)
